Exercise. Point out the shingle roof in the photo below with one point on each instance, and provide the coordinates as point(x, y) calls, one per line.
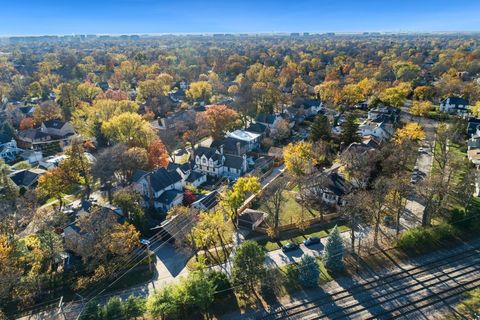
point(162, 178)
point(194, 176)
point(337, 184)
point(4, 138)
point(209, 201)
point(229, 144)
point(251, 216)
point(455, 101)
point(233, 161)
point(168, 196)
point(257, 128)
point(210, 153)
point(26, 178)
point(55, 124)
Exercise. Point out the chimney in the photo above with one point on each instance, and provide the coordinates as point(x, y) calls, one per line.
point(238, 148)
point(221, 149)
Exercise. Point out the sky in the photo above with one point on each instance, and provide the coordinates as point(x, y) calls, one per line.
point(49, 17)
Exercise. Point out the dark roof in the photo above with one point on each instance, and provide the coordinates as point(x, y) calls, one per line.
point(311, 103)
point(233, 161)
point(229, 144)
point(455, 101)
point(209, 201)
point(473, 123)
point(251, 216)
point(185, 167)
point(257, 128)
point(26, 110)
point(337, 184)
point(168, 196)
point(266, 118)
point(138, 174)
point(33, 134)
point(194, 176)
point(210, 153)
point(162, 178)
point(4, 138)
point(25, 178)
point(55, 124)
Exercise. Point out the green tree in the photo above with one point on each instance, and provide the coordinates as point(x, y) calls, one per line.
point(308, 271)
point(201, 90)
point(77, 167)
point(333, 256)
point(234, 198)
point(68, 98)
point(134, 307)
point(248, 266)
point(320, 129)
point(92, 311)
point(130, 202)
point(114, 309)
point(129, 128)
point(349, 130)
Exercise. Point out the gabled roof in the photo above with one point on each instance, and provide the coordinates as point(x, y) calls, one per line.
point(54, 124)
point(208, 202)
point(32, 134)
point(233, 162)
point(185, 167)
point(311, 103)
point(251, 216)
point(162, 178)
point(4, 138)
point(210, 153)
point(194, 176)
point(337, 184)
point(168, 196)
point(257, 128)
point(457, 101)
point(26, 178)
point(266, 118)
point(230, 144)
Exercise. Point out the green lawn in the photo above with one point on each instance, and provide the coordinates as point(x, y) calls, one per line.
point(291, 210)
point(271, 245)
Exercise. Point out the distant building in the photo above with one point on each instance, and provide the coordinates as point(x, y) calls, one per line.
point(454, 105)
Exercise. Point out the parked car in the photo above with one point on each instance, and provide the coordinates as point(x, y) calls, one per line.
point(311, 241)
point(145, 242)
point(291, 246)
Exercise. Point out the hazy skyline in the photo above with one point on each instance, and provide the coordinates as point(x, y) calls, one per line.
point(37, 17)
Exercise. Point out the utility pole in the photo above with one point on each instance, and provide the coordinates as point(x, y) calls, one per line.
point(60, 308)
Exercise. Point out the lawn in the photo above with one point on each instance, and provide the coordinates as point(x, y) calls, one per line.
point(292, 209)
point(320, 232)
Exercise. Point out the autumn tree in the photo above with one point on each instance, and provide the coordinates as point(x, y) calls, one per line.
point(47, 110)
point(200, 90)
point(87, 91)
point(298, 158)
point(421, 108)
point(26, 123)
point(53, 184)
point(157, 154)
point(128, 128)
point(349, 130)
point(233, 199)
point(154, 88)
point(248, 266)
point(411, 131)
point(281, 130)
point(67, 97)
point(396, 96)
point(77, 167)
point(274, 201)
point(218, 119)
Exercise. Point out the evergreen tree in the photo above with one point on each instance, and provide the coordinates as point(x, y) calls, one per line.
point(320, 128)
point(134, 307)
point(349, 130)
point(334, 251)
point(309, 271)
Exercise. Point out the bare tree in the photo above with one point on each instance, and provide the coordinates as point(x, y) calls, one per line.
point(274, 200)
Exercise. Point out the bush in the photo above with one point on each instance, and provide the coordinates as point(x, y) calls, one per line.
point(419, 239)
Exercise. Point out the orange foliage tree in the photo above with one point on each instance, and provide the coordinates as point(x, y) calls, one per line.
point(157, 154)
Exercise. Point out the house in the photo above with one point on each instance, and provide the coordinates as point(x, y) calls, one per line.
point(229, 145)
point(259, 128)
point(177, 120)
point(277, 154)
point(32, 156)
point(51, 162)
point(50, 132)
point(329, 186)
point(208, 202)
point(384, 114)
point(454, 105)
point(196, 178)
point(215, 163)
point(362, 105)
point(474, 156)
point(8, 148)
point(269, 120)
point(380, 130)
point(250, 219)
point(161, 188)
point(26, 178)
point(312, 106)
point(250, 138)
point(473, 126)
point(189, 176)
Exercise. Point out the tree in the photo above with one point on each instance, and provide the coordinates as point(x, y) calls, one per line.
point(26, 123)
point(128, 128)
point(320, 129)
point(233, 199)
point(134, 307)
point(309, 271)
point(200, 90)
point(421, 108)
point(53, 185)
point(157, 154)
point(150, 89)
point(423, 93)
point(411, 131)
point(406, 71)
point(349, 130)
point(77, 166)
point(352, 94)
point(68, 98)
point(396, 96)
point(333, 256)
point(281, 131)
point(248, 266)
point(130, 202)
point(114, 308)
point(217, 119)
point(35, 90)
point(47, 110)
point(298, 158)
point(470, 307)
point(274, 201)
point(92, 311)
point(200, 289)
point(475, 110)
point(87, 91)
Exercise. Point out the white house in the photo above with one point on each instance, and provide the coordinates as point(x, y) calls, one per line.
point(251, 138)
point(380, 130)
point(215, 163)
point(8, 148)
point(455, 105)
point(161, 188)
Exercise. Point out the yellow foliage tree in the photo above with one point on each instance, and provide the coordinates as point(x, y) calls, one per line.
point(298, 158)
point(411, 131)
point(129, 128)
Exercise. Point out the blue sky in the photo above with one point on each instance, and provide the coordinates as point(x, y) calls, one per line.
point(38, 17)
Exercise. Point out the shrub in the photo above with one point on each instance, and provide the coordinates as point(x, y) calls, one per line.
point(419, 239)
